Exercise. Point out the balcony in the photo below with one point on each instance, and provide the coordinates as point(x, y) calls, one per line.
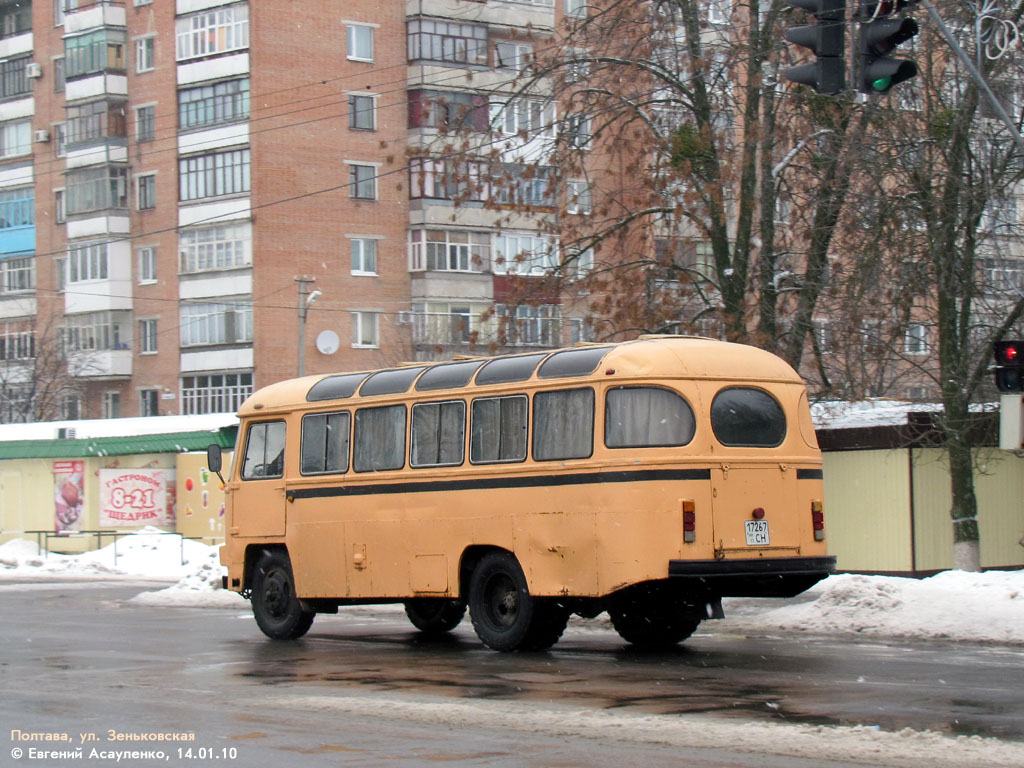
point(438, 335)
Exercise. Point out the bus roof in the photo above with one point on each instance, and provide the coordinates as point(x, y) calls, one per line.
point(687, 357)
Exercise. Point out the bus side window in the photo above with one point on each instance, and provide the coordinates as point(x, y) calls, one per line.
point(324, 443)
point(744, 416)
point(645, 417)
point(379, 439)
point(264, 451)
point(438, 434)
point(498, 429)
point(563, 424)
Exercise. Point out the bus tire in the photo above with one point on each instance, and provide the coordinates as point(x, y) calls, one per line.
point(505, 615)
point(277, 609)
point(435, 616)
point(650, 628)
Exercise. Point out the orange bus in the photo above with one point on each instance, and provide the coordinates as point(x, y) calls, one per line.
point(648, 479)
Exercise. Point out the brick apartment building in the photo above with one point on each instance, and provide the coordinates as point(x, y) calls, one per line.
point(168, 168)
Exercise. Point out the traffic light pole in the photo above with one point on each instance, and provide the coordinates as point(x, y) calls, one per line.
point(1011, 422)
point(997, 107)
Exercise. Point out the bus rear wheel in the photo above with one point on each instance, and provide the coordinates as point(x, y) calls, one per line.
point(505, 615)
point(435, 616)
point(646, 626)
point(277, 609)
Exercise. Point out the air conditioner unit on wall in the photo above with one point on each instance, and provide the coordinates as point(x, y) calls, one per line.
point(33, 70)
point(42, 135)
point(404, 318)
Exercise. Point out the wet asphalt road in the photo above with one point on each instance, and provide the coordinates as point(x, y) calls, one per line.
point(75, 658)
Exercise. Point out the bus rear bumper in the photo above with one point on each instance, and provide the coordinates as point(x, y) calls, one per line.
point(754, 577)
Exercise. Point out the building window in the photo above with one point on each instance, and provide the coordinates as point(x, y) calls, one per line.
point(71, 408)
point(87, 262)
point(60, 7)
point(13, 78)
point(360, 42)
point(525, 325)
point(15, 19)
point(96, 189)
point(364, 255)
point(213, 174)
point(362, 180)
point(145, 54)
point(578, 198)
point(915, 340)
point(224, 247)
point(216, 323)
point(17, 344)
point(361, 115)
point(450, 110)
point(111, 405)
point(447, 180)
point(60, 139)
point(575, 8)
point(514, 56)
point(208, 105)
point(147, 264)
point(210, 32)
point(16, 138)
point(58, 74)
point(524, 255)
point(449, 250)
point(534, 117)
point(449, 42)
point(95, 331)
point(214, 393)
point(365, 329)
point(145, 192)
point(95, 120)
point(147, 337)
point(96, 51)
point(145, 123)
point(523, 185)
point(59, 212)
point(17, 208)
point(578, 131)
point(719, 11)
point(149, 402)
point(17, 275)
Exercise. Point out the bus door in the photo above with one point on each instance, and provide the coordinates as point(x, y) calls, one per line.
point(258, 502)
point(754, 510)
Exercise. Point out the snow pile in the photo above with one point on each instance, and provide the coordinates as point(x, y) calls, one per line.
point(955, 605)
point(148, 553)
point(202, 587)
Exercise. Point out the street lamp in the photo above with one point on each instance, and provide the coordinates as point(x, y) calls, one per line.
point(306, 299)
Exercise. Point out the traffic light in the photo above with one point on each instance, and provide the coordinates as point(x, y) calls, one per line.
point(827, 39)
point(1009, 365)
point(879, 36)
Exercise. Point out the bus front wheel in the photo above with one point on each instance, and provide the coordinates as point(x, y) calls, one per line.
point(435, 616)
point(275, 605)
point(505, 615)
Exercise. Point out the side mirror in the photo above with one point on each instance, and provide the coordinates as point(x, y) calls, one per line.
point(214, 460)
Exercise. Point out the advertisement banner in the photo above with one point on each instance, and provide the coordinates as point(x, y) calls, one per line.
point(69, 495)
point(133, 497)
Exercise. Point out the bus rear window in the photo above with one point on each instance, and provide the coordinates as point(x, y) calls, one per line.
point(563, 424)
point(264, 451)
point(379, 439)
point(324, 443)
point(743, 416)
point(645, 417)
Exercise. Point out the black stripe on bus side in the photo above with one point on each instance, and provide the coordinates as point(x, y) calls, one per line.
point(809, 474)
point(531, 481)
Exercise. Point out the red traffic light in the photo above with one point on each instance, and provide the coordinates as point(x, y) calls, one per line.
point(1007, 352)
point(1009, 365)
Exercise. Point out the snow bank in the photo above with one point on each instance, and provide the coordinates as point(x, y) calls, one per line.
point(955, 605)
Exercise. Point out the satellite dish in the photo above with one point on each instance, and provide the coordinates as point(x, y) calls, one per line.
point(327, 342)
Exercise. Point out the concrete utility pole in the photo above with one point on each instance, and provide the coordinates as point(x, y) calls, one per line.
point(305, 299)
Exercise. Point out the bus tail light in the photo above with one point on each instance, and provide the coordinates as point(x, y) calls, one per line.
point(689, 522)
point(818, 520)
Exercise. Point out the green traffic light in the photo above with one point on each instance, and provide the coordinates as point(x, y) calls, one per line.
point(882, 84)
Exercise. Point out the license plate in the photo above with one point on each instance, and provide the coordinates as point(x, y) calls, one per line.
point(757, 533)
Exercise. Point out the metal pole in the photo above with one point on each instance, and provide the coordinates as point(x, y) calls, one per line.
point(994, 102)
point(303, 281)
